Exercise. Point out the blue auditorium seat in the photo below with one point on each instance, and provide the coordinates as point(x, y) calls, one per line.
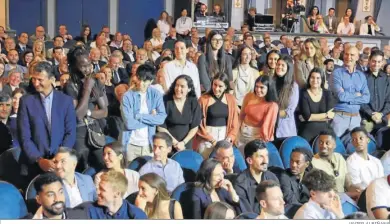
point(290, 144)
point(340, 148)
point(12, 205)
point(138, 162)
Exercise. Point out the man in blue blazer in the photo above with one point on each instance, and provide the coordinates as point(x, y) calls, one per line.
point(288, 49)
point(78, 188)
point(46, 120)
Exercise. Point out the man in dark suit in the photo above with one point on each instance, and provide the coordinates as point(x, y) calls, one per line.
point(202, 13)
point(362, 64)
point(46, 120)
point(119, 75)
point(331, 21)
point(127, 51)
point(22, 45)
point(94, 55)
point(5, 111)
point(288, 49)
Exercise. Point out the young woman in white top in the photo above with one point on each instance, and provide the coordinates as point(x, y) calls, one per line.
point(184, 24)
point(156, 40)
point(114, 159)
point(152, 55)
point(164, 24)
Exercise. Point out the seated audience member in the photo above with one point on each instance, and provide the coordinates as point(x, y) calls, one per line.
point(259, 113)
point(288, 94)
point(114, 159)
point(378, 198)
point(271, 60)
point(289, 47)
point(172, 34)
point(14, 81)
point(294, 192)
point(219, 210)
point(119, 75)
point(12, 119)
point(256, 157)
point(181, 66)
point(202, 13)
point(5, 130)
point(142, 109)
point(64, 78)
point(153, 198)
point(78, 188)
point(316, 106)
point(329, 67)
point(313, 13)
point(51, 197)
point(369, 27)
point(320, 25)
point(244, 75)
point(362, 63)
point(374, 114)
point(150, 52)
point(219, 116)
point(127, 51)
point(183, 24)
point(157, 40)
point(336, 54)
point(13, 59)
point(95, 56)
point(331, 20)
point(312, 58)
point(346, 27)
point(210, 186)
point(270, 197)
point(58, 43)
point(161, 165)
point(324, 203)
point(183, 113)
point(110, 203)
point(225, 155)
point(351, 92)
point(217, 11)
point(362, 167)
point(333, 163)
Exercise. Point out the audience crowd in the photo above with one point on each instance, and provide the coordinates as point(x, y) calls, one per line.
point(101, 124)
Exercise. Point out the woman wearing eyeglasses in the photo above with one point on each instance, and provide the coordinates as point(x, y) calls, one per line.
point(213, 61)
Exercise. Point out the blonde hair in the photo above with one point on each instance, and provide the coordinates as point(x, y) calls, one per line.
point(117, 180)
point(318, 59)
point(43, 52)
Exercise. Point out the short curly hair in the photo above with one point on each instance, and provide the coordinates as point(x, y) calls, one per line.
point(319, 180)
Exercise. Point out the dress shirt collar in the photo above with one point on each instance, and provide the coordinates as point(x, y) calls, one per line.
point(160, 164)
point(122, 212)
point(49, 97)
point(39, 214)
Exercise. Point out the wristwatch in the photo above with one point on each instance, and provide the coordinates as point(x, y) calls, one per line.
point(89, 113)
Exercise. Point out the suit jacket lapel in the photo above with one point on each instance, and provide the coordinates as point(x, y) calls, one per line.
point(82, 188)
point(41, 111)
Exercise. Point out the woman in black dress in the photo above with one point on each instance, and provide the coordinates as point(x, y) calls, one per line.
point(316, 106)
point(183, 113)
point(90, 101)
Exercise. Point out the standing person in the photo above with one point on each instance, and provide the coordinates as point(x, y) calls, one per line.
point(90, 102)
point(350, 89)
point(316, 106)
point(259, 113)
point(219, 116)
point(164, 24)
point(288, 91)
point(46, 120)
point(183, 113)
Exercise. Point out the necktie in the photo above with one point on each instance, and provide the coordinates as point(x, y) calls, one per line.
point(116, 77)
point(96, 67)
point(369, 30)
point(23, 48)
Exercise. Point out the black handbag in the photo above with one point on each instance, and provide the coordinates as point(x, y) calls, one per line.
point(96, 137)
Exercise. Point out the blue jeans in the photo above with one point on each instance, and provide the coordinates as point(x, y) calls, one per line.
point(342, 123)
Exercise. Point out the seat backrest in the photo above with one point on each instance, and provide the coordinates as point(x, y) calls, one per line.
point(177, 193)
point(349, 148)
point(138, 162)
point(12, 205)
point(239, 162)
point(31, 192)
point(290, 144)
point(90, 171)
point(382, 140)
point(340, 148)
point(132, 197)
point(188, 159)
point(274, 157)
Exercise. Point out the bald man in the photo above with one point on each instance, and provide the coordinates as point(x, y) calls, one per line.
point(349, 86)
point(94, 55)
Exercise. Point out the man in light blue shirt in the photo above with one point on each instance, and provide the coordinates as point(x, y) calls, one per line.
point(168, 169)
point(349, 86)
point(324, 203)
point(142, 109)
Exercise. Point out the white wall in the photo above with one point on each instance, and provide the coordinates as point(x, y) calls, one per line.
point(384, 17)
point(360, 15)
point(237, 16)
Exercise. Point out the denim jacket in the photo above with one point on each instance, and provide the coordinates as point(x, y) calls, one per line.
point(133, 120)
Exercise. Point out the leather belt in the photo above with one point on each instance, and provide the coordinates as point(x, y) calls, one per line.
point(347, 114)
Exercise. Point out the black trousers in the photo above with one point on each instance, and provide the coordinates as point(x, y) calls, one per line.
point(88, 156)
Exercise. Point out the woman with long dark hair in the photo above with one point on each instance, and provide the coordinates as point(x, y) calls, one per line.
point(219, 116)
point(270, 63)
point(214, 60)
point(259, 113)
point(210, 186)
point(85, 35)
point(316, 106)
point(183, 113)
point(90, 102)
point(164, 24)
point(288, 93)
point(153, 198)
point(312, 17)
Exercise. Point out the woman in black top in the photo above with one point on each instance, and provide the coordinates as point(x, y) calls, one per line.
point(153, 198)
point(214, 61)
point(90, 102)
point(316, 106)
point(183, 113)
point(85, 35)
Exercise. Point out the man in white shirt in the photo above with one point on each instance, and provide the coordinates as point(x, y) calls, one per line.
point(378, 198)
point(362, 167)
point(78, 188)
point(370, 27)
point(270, 197)
point(324, 203)
point(181, 66)
point(346, 28)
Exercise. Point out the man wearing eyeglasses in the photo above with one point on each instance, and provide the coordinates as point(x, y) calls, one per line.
point(225, 155)
point(333, 163)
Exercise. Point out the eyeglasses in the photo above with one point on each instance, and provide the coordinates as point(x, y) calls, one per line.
point(335, 172)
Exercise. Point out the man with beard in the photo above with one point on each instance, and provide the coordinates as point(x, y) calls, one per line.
point(333, 163)
point(13, 58)
point(329, 68)
point(270, 196)
point(50, 195)
point(256, 157)
point(362, 168)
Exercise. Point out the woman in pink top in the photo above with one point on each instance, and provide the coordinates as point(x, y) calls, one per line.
point(259, 113)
